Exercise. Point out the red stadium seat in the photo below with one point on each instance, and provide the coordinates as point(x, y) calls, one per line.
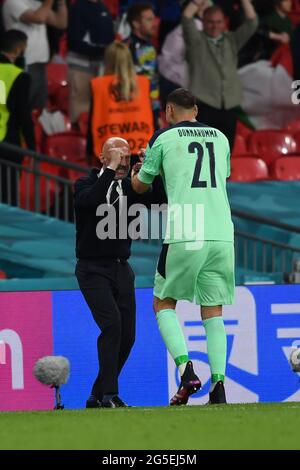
point(70, 147)
point(83, 123)
point(245, 170)
point(57, 74)
point(240, 146)
point(58, 87)
point(60, 100)
point(39, 132)
point(295, 13)
point(294, 127)
point(295, 17)
point(63, 45)
point(27, 187)
point(243, 130)
point(246, 155)
point(112, 6)
point(296, 5)
point(271, 144)
point(67, 146)
point(297, 140)
point(286, 168)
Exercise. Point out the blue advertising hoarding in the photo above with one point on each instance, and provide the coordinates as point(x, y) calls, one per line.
point(261, 327)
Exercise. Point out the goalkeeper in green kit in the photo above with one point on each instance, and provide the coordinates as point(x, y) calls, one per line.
point(197, 258)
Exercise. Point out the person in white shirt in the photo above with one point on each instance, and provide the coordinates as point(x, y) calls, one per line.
point(32, 17)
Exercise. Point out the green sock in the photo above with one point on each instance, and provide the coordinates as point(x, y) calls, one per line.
point(172, 334)
point(216, 347)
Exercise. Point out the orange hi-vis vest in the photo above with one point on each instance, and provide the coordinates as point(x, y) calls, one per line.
point(131, 120)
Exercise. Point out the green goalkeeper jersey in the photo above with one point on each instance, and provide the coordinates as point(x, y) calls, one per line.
point(194, 162)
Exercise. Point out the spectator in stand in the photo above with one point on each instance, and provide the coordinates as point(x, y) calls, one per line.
point(55, 36)
point(275, 29)
point(169, 12)
point(90, 31)
point(32, 17)
point(120, 103)
point(212, 59)
point(172, 64)
point(278, 23)
point(141, 19)
point(16, 122)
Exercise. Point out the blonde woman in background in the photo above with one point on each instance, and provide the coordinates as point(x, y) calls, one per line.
point(118, 63)
point(121, 102)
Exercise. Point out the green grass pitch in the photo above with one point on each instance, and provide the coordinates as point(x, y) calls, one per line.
point(253, 426)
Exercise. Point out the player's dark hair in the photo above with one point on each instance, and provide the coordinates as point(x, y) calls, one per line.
point(212, 10)
point(135, 11)
point(12, 39)
point(183, 98)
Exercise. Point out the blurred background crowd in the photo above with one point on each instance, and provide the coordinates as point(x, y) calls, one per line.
point(74, 73)
point(239, 57)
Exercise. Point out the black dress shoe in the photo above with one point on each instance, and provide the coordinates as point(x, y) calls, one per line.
point(114, 402)
point(92, 403)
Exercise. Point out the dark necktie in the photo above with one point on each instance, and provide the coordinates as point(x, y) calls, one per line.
point(115, 196)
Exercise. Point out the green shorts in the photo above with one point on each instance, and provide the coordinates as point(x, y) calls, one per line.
point(201, 272)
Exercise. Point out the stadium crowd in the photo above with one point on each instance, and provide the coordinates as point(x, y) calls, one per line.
point(222, 51)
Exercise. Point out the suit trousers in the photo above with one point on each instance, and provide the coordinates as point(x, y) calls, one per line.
point(108, 288)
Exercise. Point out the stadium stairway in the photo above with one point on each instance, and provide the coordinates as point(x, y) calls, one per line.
point(277, 200)
point(37, 252)
point(274, 200)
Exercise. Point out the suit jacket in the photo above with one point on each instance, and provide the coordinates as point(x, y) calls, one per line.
point(90, 193)
point(213, 70)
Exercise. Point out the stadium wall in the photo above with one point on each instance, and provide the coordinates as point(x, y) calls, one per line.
point(262, 326)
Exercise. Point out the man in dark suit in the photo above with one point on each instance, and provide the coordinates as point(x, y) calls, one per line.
point(104, 275)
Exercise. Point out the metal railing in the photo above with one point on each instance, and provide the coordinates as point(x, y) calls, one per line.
point(265, 221)
point(45, 185)
point(262, 254)
point(40, 183)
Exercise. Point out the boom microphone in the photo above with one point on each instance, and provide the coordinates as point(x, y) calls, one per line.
point(53, 371)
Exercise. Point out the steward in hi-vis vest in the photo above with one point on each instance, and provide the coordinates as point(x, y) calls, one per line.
point(8, 74)
point(111, 117)
point(16, 125)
